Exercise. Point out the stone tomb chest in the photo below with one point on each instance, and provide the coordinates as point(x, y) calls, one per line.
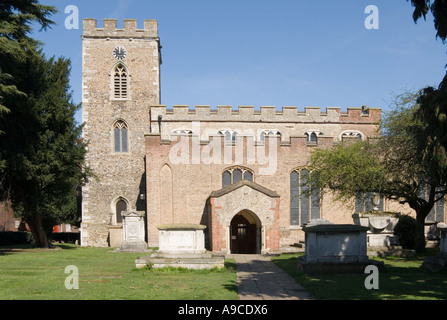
point(334, 248)
point(181, 246)
point(181, 238)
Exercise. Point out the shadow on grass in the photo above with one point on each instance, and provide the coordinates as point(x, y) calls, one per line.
point(401, 279)
point(29, 247)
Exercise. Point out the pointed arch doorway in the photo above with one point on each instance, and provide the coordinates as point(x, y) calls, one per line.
point(245, 233)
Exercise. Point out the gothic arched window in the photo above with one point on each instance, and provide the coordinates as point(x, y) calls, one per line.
point(269, 133)
point(120, 77)
point(312, 136)
point(236, 174)
point(120, 133)
point(304, 200)
point(230, 135)
point(351, 134)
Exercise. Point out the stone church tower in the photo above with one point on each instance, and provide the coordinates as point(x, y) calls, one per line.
point(121, 80)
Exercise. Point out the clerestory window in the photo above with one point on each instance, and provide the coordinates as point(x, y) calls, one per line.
point(230, 135)
point(269, 133)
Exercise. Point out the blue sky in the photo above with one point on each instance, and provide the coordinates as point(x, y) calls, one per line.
point(277, 53)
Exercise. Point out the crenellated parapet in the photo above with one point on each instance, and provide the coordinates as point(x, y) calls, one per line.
point(266, 114)
point(110, 30)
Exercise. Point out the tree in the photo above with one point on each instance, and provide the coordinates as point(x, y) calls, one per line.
point(41, 153)
point(432, 112)
point(15, 44)
point(389, 164)
point(439, 10)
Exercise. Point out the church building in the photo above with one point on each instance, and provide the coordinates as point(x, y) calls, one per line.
point(235, 170)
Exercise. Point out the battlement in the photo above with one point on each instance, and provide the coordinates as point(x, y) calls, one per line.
point(266, 114)
point(110, 29)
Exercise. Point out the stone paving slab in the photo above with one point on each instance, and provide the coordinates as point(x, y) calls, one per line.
point(259, 278)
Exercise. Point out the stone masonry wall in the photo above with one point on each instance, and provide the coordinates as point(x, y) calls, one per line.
point(119, 175)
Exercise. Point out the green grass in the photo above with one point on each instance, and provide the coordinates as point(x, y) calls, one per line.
point(401, 279)
point(105, 275)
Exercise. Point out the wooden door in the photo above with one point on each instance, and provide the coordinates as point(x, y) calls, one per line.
point(243, 236)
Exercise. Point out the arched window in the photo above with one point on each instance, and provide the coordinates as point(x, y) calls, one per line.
point(120, 78)
point(304, 200)
point(121, 205)
point(236, 174)
point(312, 136)
point(120, 133)
point(230, 135)
point(182, 132)
point(437, 212)
point(351, 134)
point(269, 133)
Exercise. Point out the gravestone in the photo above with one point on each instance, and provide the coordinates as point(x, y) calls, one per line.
point(439, 262)
point(338, 248)
point(380, 225)
point(133, 231)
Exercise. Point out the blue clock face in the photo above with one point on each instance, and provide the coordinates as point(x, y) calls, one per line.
point(119, 53)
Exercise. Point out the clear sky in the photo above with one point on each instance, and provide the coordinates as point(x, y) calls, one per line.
point(278, 53)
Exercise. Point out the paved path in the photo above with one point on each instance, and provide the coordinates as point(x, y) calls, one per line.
point(259, 278)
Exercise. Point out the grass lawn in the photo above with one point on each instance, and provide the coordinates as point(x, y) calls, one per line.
point(401, 279)
point(104, 275)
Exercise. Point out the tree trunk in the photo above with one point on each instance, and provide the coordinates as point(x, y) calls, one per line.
point(419, 241)
point(39, 235)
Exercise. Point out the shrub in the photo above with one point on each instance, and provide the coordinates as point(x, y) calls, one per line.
point(405, 230)
point(15, 237)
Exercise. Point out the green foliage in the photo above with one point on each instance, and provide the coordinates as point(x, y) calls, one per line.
point(347, 169)
point(407, 158)
point(432, 135)
point(438, 8)
point(14, 237)
point(41, 154)
point(405, 230)
point(16, 17)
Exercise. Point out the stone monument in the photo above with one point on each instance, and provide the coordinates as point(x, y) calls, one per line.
point(439, 262)
point(181, 238)
point(133, 231)
point(339, 248)
point(380, 234)
point(181, 246)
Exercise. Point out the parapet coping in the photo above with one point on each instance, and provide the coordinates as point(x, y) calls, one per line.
point(278, 110)
point(239, 184)
point(110, 30)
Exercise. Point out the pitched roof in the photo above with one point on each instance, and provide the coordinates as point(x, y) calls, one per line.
point(239, 184)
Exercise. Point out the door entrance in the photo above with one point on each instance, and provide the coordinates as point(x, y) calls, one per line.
point(243, 235)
